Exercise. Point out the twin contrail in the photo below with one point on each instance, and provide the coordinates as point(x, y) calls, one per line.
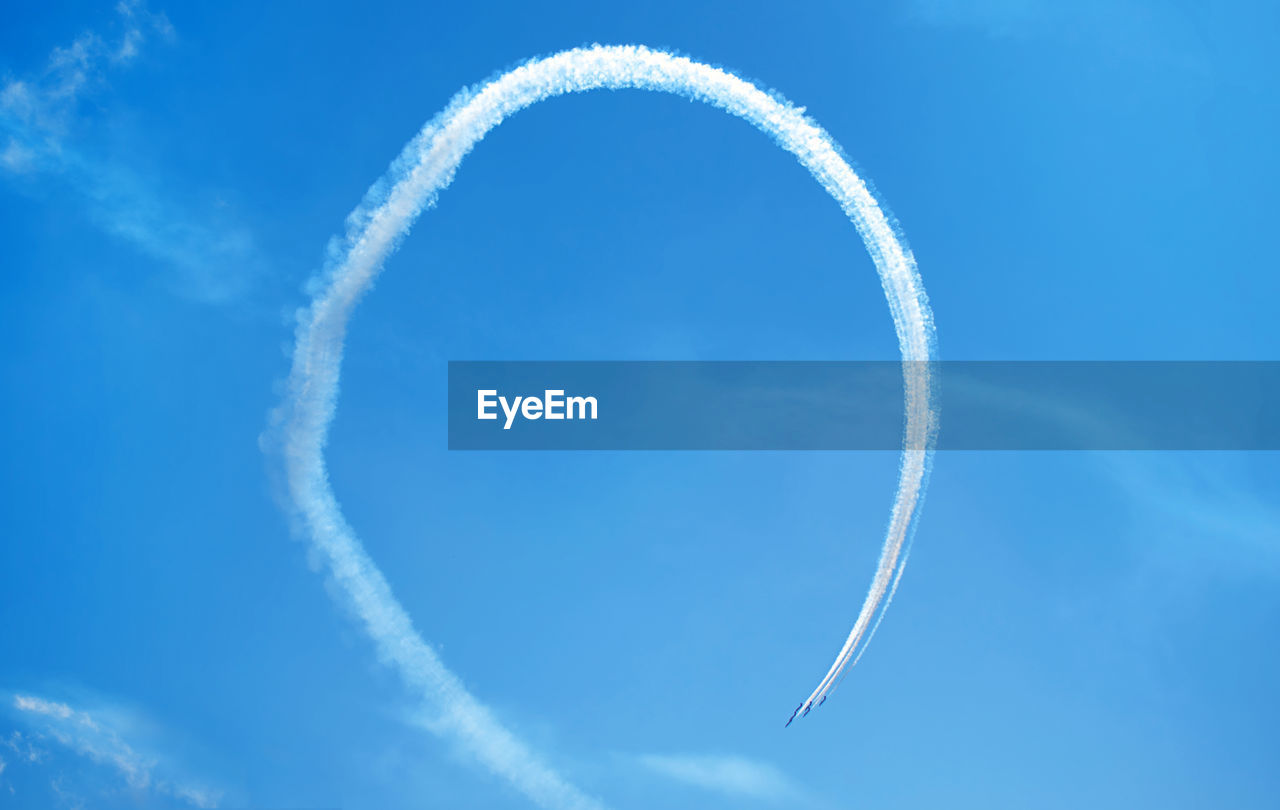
point(374, 230)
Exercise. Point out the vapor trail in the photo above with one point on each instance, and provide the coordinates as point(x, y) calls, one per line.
point(374, 230)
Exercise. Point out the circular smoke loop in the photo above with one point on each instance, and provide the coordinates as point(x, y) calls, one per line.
point(375, 229)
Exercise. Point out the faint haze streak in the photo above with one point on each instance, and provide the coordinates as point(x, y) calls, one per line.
point(731, 775)
point(375, 229)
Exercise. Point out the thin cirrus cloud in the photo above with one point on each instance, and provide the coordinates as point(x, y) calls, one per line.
point(48, 145)
point(735, 776)
point(97, 736)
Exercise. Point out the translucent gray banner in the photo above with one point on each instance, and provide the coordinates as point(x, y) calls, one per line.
point(735, 405)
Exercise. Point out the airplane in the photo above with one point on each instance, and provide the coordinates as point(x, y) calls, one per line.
point(793, 714)
point(807, 706)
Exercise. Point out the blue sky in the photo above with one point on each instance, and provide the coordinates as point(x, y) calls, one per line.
point(1073, 629)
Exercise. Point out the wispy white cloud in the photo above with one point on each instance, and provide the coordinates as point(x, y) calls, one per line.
point(67, 797)
point(735, 776)
point(24, 748)
point(17, 158)
point(45, 134)
point(46, 102)
point(89, 735)
point(79, 731)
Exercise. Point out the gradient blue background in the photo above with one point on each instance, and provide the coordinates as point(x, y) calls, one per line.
point(1074, 630)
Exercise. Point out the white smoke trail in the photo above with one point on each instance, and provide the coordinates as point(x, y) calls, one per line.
point(375, 229)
